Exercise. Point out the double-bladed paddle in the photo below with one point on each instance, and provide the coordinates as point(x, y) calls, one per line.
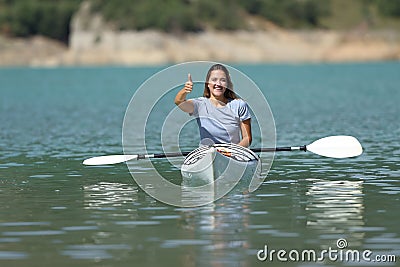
point(339, 146)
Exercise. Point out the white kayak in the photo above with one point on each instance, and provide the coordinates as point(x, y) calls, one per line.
point(228, 162)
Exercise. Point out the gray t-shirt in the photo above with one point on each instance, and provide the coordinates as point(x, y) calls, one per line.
point(220, 125)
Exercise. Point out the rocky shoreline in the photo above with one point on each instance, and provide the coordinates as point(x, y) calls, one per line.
point(155, 48)
point(94, 42)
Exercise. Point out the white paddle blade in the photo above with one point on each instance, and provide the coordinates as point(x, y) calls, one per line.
point(110, 159)
point(340, 146)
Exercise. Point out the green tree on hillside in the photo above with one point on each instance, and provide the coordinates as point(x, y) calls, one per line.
point(45, 17)
point(389, 7)
point(289, 13)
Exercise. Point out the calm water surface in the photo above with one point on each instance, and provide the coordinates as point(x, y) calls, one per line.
point(57, 212)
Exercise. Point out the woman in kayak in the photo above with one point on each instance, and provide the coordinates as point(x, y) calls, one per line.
point(222, 117)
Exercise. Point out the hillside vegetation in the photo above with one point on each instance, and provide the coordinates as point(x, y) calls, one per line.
point(51, 18)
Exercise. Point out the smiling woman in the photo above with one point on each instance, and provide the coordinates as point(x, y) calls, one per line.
point(222, 117)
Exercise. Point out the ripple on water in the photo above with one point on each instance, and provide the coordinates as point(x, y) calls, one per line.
point(41, 176)
point(93, 252)
point(80, 228)
point(87, 254)
point(33, 233)
point(185, 242)
point(13, 255)
point(109, 196)
point(11, 164)
point(166, 217)
point(10, 240)
point(137, 223)
point(7, 224)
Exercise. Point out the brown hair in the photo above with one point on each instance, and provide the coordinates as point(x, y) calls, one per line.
point(229, 93)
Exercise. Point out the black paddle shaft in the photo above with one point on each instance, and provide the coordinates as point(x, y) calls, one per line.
point(163, 155)
point(277, 149)
point(183, 154)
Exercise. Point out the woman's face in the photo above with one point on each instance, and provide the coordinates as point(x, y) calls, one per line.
point(217, 83)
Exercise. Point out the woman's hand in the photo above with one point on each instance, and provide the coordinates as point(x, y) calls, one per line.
point(189, 84)
point(180, 98)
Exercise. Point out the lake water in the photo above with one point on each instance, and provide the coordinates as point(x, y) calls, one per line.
point(56, 212)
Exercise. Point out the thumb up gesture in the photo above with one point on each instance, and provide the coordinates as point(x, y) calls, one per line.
point(189, 84)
